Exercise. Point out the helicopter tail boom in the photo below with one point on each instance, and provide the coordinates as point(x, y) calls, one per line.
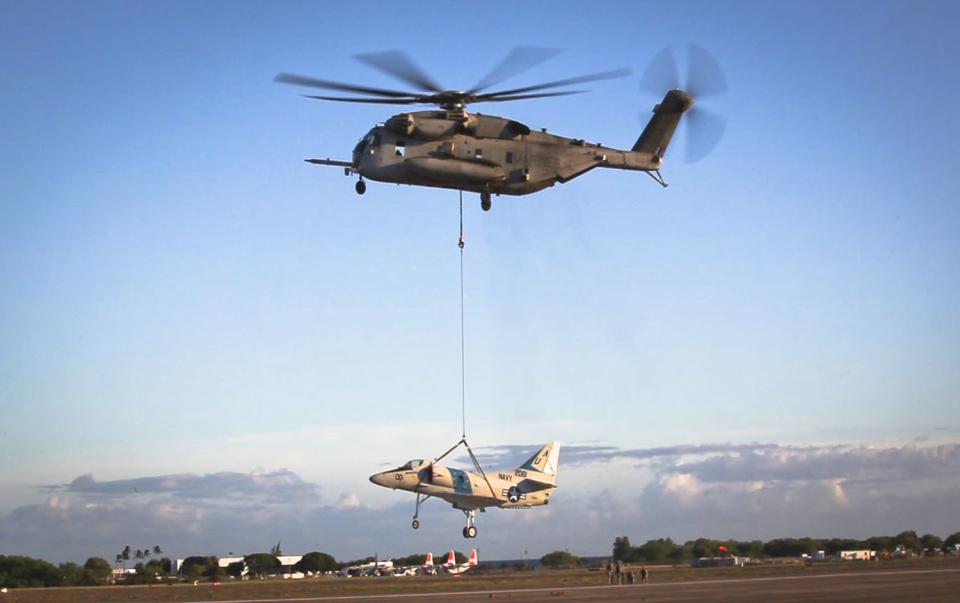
point(666, 116)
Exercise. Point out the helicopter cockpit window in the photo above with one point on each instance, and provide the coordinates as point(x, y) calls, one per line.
point(401, 148)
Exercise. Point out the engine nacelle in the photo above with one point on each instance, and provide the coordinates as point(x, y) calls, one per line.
point(402, 123)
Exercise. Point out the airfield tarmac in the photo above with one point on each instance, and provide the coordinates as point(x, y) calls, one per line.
point(923, 585)
point(920, 580)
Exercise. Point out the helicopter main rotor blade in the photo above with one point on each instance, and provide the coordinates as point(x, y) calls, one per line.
point(603, 75)
point(517, 61)
point(397, 64)
point(300, 80)
point(704, 131)
point(513, 97)
point(704, 74)
point(360, 99)
point(660, 74)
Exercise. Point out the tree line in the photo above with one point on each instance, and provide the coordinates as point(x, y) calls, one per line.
point(664, 550)
point(20, 571)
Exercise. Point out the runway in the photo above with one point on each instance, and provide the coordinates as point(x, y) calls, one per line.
point(848, 587)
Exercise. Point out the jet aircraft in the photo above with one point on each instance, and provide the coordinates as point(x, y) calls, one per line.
point(529, 485)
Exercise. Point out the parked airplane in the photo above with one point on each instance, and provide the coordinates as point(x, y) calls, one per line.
point(529, 485)
point(452, 567)
point(427, 567)
point(373, 568)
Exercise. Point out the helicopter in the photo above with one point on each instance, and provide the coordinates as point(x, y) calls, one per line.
point(455, 149)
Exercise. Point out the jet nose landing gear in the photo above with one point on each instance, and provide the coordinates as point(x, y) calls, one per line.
point(485, 201)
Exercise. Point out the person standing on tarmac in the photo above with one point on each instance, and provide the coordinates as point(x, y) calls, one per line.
point(643, 574)
point(609, 571)
point(619, 572)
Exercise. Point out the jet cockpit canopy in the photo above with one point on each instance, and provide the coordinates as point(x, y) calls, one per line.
point(411, 465)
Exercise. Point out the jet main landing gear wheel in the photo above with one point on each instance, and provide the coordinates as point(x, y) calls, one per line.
point(361, 187)
point(470, 530)
point(485, 201)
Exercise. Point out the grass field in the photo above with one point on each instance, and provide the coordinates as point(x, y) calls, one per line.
point(500, 580)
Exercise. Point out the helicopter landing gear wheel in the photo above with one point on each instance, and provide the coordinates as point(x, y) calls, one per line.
point(485, 201)
point(416, 524)
point(361, 187)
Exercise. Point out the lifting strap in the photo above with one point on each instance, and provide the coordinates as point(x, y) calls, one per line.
point(473, 458)
point(463, 379)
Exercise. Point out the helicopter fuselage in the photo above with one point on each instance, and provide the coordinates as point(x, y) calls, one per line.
point(481, 153)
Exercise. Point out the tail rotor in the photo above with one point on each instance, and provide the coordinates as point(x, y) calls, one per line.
point(704, 79)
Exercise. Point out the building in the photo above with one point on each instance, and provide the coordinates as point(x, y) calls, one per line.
point(119, 572)
point(286, 570)
point(727, 561)
point(863, 555)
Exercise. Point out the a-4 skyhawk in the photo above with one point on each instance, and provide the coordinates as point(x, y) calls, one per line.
point(529, 485)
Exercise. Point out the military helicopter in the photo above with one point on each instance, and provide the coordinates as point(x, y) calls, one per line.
point(455, 149)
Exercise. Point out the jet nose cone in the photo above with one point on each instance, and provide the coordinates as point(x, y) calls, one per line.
point(379, 479)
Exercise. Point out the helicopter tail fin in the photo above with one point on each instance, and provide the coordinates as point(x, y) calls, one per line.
point(666, 116)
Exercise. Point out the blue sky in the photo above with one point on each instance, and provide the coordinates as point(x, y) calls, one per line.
point(181, 294)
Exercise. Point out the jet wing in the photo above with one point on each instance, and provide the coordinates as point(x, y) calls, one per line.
point(466, 502)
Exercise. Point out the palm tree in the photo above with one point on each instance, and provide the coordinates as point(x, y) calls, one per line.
point(139, 554)
point(157, 551)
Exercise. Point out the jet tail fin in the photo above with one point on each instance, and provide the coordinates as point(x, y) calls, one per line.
point(473, 557)
point(429, 561)
point(452, 558)
point(545, 460)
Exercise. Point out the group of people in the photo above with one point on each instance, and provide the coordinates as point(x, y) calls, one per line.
point(617, 574)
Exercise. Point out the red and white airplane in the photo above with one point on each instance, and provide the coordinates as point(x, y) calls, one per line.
point(427, 568)
point(452, 567)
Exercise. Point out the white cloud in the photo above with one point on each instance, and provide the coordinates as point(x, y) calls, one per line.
point(683, 486)
point(348, 501)
point(281, 485)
